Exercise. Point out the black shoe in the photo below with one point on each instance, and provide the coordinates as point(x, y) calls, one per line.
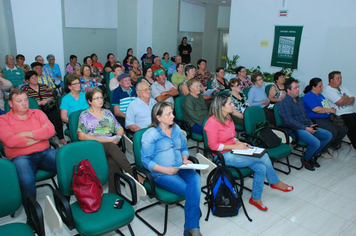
point(316, 164)
point(308, 165)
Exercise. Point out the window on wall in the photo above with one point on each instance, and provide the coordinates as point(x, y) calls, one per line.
point(192, 17)
point(91, 14)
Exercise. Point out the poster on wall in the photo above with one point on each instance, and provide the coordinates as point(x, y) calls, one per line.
point(286, 46)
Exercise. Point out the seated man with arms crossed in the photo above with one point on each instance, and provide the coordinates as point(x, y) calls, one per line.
point(25, 133)
point(293, 114)
point(138, 113)
point(343, 101)
point(163, 90)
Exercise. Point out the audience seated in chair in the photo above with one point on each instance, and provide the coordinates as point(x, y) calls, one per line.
point(166, 62)
point(179, 76)
point(220, 131)
point(72, 62)
point(42, 78)
point(163, 90)
point(5, 85)
point(86, 80)
point(45, 70)
point(239, 100)
point(318, 109)
point(194, 107)
point(257, 96)
point(74, 100)
point(148, 76)
point(139, 110)
point(202, 74)
point(15, 75)
point(343, 101)
point(241, 75)
point(122, 97)
point(135, 71)
point(45, 99)
point(96, 63)
point(147, 58)
point(25, 133)
point(110, 62)
point(277, 91)
point(20, 63)
point(220, 83)
point(100, 124)
point(162, 160)
point(114, 83)
point(173, 68)
point(293, 114)
point(157, 64)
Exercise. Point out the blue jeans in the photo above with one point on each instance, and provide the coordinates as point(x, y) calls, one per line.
point(26, 167)
point(261, 166)
point(316, 142)
point(185, 183)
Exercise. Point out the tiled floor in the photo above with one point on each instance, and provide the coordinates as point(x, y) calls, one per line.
point(323, 203)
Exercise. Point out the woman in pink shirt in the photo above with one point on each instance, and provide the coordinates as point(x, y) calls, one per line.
point(220, 130)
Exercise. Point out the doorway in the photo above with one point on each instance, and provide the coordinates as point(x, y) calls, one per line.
point(223, 42)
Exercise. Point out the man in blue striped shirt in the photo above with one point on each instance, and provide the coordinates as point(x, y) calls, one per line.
point(122, 97)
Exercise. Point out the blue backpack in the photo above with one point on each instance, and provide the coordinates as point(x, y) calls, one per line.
point(224, 198)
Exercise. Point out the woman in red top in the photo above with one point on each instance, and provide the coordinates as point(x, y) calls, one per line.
point(220, 130)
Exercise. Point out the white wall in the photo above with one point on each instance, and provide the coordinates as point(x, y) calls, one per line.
point(38, 29)
point(224, 17)
point(144, 26)
point(328, 38)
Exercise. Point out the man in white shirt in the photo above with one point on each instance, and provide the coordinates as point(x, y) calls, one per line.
point(342, 100)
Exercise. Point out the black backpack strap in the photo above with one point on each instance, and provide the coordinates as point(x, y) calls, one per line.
point(209, 192)
point(240, 191)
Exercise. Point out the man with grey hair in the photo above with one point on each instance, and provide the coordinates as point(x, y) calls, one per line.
point(138, 113)
point(15, 75)
point(173, 68)
point(45, 70)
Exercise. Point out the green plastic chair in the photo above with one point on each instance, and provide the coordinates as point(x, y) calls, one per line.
point(10, 202)
point(298, 145)
point(256, 114)
point(246, 172)
point(246, 90)
point(107, 218)
point(139, 79)
point(163, 196)
point(169, 78)
point(209, 84)
point(267, 88)
point(73, 125)
point(179, 119)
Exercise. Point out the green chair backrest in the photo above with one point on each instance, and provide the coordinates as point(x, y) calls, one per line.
point(224, 91)
point(179, 90)
point(251, 116)
point(139, 79)
point(267, 88)
point(73, 125)
point(32, 104)
point(10, 193)
point(107, 76)
point(205, 137)
point(277, 117)
point(178, 107)
point(169, 78)
point(71, 154)
point(246, 90)
point(209, 84)
point(137, 147)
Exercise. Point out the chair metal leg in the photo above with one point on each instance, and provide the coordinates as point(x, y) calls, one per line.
point(287, 164)
point(130, 229)
point(165, 217)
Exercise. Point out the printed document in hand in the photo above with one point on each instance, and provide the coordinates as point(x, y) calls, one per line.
point(252, 151)
point(194, 166)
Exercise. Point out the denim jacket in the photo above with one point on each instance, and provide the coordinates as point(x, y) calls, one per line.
point(159, 149)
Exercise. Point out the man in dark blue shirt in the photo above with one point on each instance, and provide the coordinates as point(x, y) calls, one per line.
point(293, 114)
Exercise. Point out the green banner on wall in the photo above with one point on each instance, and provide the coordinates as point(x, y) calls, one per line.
point(286, 46)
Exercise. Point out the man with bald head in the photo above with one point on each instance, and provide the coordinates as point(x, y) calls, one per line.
point(138, 113)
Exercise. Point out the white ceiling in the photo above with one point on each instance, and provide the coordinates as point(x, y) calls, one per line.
point(211, 2)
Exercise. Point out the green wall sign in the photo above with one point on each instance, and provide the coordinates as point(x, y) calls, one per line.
point(286, 46)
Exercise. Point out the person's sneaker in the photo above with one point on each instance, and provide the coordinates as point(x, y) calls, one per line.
point(326, 155)
point(308, 165)
point(316, 164)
